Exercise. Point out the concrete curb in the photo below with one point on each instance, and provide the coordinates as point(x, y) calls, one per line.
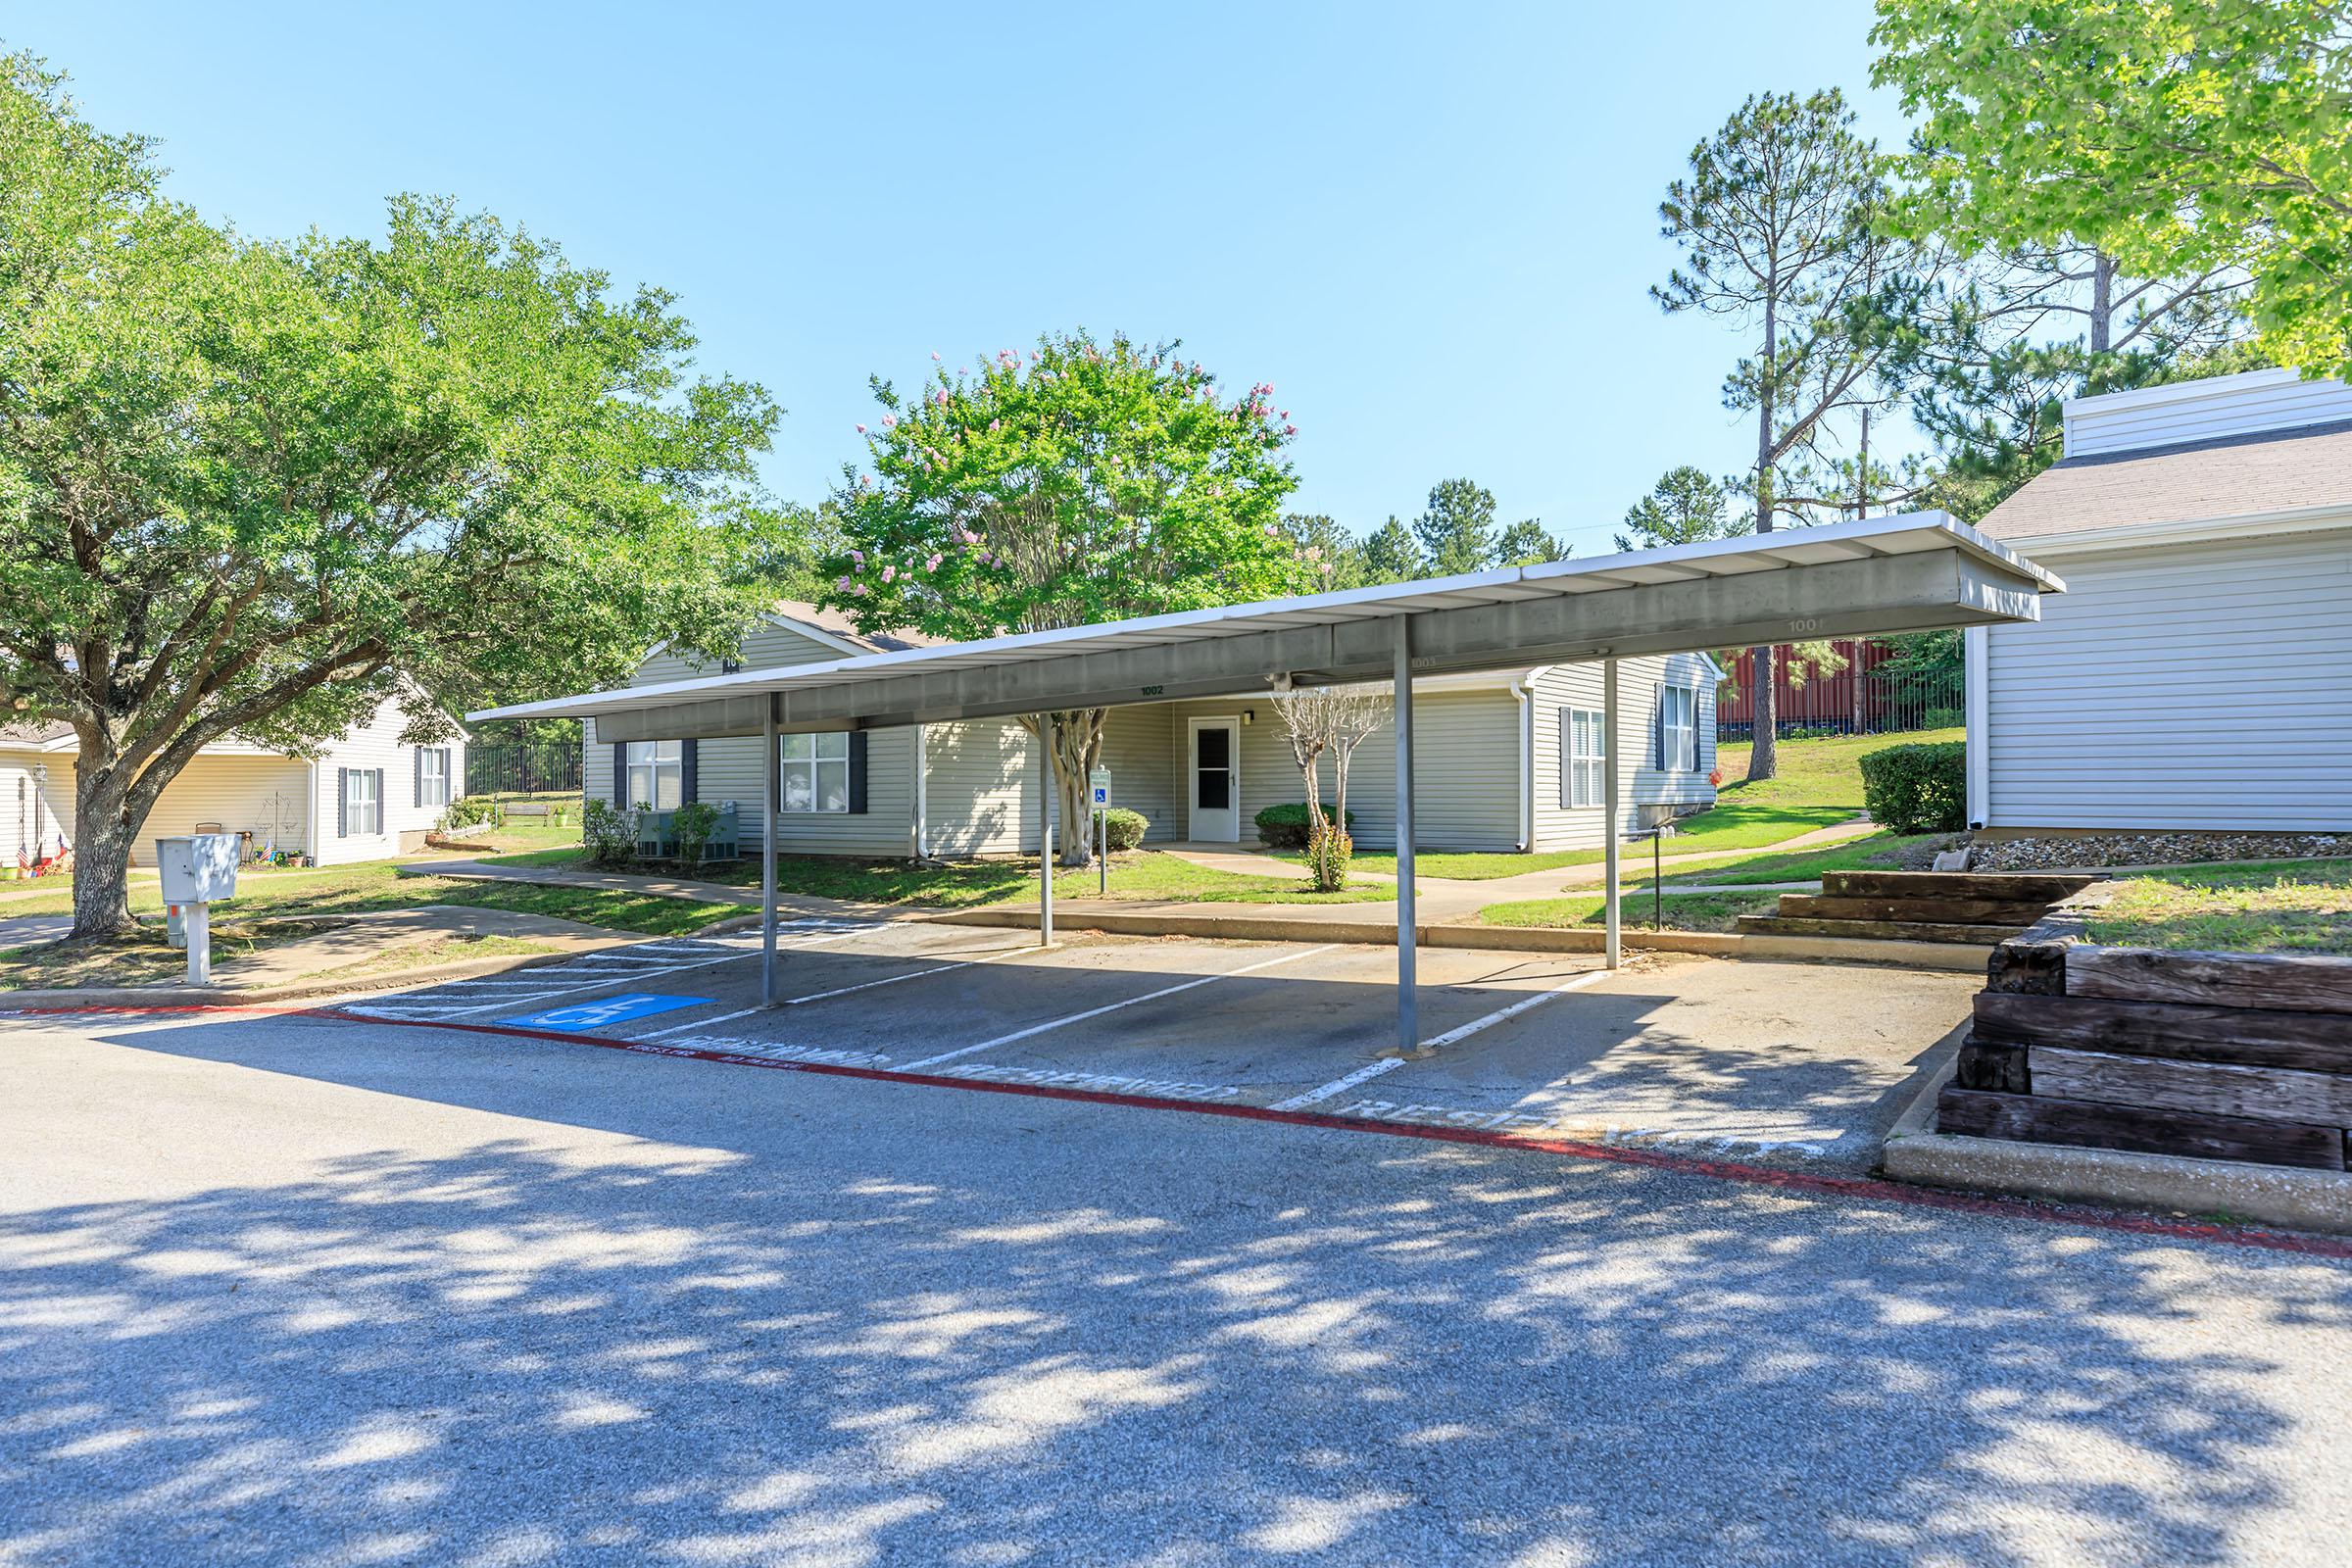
point(1499, 938)
point(2264, 1195)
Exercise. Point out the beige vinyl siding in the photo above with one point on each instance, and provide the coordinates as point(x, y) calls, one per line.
point(1466, 782)
point(243, 793)
point(1640, 780)
point(2187, 686)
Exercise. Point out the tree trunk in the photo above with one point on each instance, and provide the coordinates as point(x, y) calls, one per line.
point(2102, 302)
point(1077, 748)
point(103, 835)
point(1763, 757)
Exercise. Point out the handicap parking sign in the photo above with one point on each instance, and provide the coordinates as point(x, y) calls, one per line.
point(604, 1010)
point(1100, 780)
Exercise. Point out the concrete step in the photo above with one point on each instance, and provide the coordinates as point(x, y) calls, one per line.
point(1877, 930)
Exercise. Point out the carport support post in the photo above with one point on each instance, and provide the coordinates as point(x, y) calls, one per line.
point(1409, 1001)
point(769, 770)
point(1608, 746)
point(1045, 830)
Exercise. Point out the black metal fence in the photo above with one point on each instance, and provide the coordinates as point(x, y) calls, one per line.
point(1872, 705)
point(546, 769)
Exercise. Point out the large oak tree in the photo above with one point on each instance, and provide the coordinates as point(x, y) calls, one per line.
point(250, 489)
point(1089, 480)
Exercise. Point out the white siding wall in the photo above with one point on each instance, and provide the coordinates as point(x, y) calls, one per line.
point(376, 744)
point(35, 812)
point(1640, 780)
point(2190, 686)
point(2200, 411)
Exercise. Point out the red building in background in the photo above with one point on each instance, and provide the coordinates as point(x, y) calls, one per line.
point(1855, 700)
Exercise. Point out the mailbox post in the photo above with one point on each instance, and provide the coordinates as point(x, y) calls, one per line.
point(198, 870)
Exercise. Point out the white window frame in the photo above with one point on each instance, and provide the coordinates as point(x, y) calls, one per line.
point(1584, 783)
point(433, 776)
point(1682, 739)
point(363, 804)
point(654, 763)
point(811, 765)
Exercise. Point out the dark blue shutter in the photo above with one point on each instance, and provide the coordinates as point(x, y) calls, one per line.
point(420, 765)
point(380, 802)
point(1657, 739)
point(857, 772)
point(342, 803)
point(620, 774)
point(690, 773)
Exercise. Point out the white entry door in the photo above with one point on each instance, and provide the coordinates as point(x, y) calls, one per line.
point(1215, 773)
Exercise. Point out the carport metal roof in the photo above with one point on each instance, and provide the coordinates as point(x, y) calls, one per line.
point(1910, 572)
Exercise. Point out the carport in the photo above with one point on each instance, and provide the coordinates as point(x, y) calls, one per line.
point(1917, 572)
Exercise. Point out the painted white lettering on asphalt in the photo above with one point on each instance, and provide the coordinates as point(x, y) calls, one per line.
point(774, 1051)
point(1113, 1007)
point(1094, 1082)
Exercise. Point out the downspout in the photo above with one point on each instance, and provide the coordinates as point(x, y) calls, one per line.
point(1523, 687)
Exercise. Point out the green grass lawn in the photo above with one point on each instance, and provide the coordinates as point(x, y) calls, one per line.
point(1880, 851)
point(1683, 911)
point(2279, 907)
point(354, 889)
point(1823, 772)
point(1141, 876)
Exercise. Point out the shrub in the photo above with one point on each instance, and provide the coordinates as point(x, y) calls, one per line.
point(609, 834)
point(1920, 788)
point(1127, 828)
point(1285, 827)
point(473, 811)
point(693, 823)
point(1327, 858)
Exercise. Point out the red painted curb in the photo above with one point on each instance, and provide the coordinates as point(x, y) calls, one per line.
point(1789, 1181)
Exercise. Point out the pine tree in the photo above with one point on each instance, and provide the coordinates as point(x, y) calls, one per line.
point(1457, 531)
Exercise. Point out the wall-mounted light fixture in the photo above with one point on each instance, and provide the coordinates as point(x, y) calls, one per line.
point(1249, 716)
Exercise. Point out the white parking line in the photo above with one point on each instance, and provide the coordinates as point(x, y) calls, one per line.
point(1337, 1085)
point(1096, 1013)
point(1572, 983)
point(699, 1023)
point(1374, 1070)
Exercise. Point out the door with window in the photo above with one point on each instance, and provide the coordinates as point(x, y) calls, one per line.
point(1216, 780)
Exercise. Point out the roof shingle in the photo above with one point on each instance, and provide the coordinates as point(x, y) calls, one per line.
point(2227, 476)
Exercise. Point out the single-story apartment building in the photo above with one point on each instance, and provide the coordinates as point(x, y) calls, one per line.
point(1510, 760)
point(364, 797)
point(2192, 677)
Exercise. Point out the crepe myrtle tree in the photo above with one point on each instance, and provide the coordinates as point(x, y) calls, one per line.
point(1086, 480)
point(252, 489)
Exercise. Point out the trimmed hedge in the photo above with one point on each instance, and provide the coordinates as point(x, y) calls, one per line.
point(1127, 828)
point(1920, 788)
point(1283, 827)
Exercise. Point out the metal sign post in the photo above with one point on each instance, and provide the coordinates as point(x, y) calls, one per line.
point(1100, 779)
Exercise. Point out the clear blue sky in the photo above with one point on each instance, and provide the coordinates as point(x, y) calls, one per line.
point(1432, 227)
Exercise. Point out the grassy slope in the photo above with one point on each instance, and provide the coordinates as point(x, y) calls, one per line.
point(1683, 911)
point(354, 889)
point(2281, 907)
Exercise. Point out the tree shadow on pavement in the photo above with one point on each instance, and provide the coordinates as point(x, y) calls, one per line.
point(737, 1318)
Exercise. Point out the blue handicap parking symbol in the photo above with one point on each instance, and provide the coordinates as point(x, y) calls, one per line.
point(604, 1010)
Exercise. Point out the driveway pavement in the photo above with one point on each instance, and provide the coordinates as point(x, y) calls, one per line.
point(305, 1291)
point(24, 930)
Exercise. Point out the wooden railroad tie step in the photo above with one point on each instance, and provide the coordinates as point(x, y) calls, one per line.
point(1875, 930)
point(2045, 888)
point(2254, 1037)
point(2089, 1124)
point(2009, 912)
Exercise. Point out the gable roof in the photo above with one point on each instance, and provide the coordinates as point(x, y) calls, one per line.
point(839, 628)
point(2302, 468)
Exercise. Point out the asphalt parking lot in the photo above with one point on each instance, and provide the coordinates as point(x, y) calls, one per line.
point(1791, 1061)
point(294, 1291)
